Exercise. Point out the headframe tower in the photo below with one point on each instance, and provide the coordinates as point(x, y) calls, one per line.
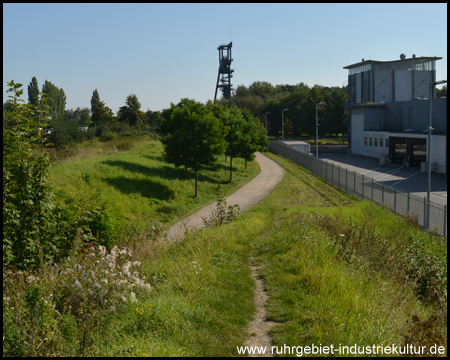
point(225, 72)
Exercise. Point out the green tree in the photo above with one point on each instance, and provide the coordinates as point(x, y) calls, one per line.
point(56, 99)
point(153, 119)
point(102, 118)
point(28, 209)
point(335, 113)
point(33, 92)
point(131, 113)
point(314, 97)
point(235, 134)
point(441, 92)
point(195, 137)
point(255, 138)
point(94, 100)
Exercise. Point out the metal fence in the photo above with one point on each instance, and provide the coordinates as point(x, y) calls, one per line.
point(366, 188)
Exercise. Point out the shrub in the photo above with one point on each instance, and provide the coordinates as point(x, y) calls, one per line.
point(60, 310)
point(221, 214)
point(30, 226)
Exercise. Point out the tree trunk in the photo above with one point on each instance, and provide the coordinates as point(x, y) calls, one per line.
point(231, 168)
point(196, 183)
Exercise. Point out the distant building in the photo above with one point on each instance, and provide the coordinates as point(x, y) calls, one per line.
point(389, 111)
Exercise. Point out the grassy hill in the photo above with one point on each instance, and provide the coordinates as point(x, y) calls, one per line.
point(337, 270)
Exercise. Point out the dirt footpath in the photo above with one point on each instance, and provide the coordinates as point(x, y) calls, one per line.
point(251, 193)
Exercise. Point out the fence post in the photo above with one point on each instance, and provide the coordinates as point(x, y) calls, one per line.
point(372, 190)
point(407, 206)
point(363, 187)
point(346, 178)
point(425, 225)
point(332, 174)
point(354, 182)
point(382, 194)
point(395, 200)
point(339, 176)
point(445, 220)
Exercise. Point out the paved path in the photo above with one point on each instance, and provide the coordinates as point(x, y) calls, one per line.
point(251, 193)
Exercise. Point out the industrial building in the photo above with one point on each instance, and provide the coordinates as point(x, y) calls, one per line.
point(389, 111)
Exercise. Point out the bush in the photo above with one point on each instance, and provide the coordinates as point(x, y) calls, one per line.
point(60, 310)
point(221, 214)
point(30, 212)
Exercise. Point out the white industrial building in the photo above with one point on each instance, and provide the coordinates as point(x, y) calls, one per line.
point(300, 146)
point(389, 111)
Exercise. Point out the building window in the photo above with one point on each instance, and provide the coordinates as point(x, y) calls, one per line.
point(381, 142)
point(370, 141)
point(365, 140)
point(376, 141)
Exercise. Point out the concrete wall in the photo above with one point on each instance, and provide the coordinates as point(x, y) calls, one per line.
point(415, 115)
point(403, 85)
point(383, 86)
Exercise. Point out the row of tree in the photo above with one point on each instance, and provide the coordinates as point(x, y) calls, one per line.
point(266, 102)
point(68, 126)
point(195, 134)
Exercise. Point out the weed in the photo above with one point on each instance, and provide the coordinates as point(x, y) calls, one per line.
point(221, 214)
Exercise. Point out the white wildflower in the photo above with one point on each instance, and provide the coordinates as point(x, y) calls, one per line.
point(31, 279)
point(121, 283)
point(104, 281)
point(77, 285)
point(79, 267)
point(102, 251)
point(133, 297)
point(135, 263)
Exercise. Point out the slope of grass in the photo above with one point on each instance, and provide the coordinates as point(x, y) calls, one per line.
point(142, 187)
point(322, 290)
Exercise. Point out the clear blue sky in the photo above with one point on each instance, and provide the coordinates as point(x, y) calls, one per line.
point(165, 52)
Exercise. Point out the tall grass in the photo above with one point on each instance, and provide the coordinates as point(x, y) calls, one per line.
point(144, 188)
point(368, 287)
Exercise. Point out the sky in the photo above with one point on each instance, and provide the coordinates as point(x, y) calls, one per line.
point(166, 52)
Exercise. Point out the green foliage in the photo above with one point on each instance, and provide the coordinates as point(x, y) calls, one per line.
point(56, 99)
point(33, 92)
point(102, 118)
point(37, 226)
point(94, 100)
point(222, 214)
point(28, 204)
point(131, 113)
point(261, 97)
point(195, 137)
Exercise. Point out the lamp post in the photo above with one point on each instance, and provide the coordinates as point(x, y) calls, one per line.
point(282, 124)
point(266, 119)
point(317, 131)
point(430, 128)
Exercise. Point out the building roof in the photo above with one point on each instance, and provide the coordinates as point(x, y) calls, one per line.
point(366, 62)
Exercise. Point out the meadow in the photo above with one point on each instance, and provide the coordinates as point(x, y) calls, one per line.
point(337, 270)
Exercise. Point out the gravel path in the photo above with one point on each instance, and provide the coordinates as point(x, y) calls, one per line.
point(251, 193)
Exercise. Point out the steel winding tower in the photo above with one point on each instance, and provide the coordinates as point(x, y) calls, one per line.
point(225, 73)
